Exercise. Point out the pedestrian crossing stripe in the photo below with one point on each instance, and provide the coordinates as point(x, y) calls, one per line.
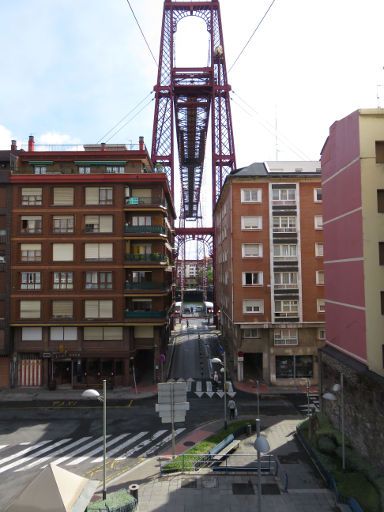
point(203, 388)
point(78, 451)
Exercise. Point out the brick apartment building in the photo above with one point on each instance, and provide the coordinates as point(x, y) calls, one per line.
point(91, 255)
point(352, 164)
point(269, 276)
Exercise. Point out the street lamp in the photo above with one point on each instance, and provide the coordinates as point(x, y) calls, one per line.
point(332, 397)
point(261, 446)
point(224, 368)
point(92, 393)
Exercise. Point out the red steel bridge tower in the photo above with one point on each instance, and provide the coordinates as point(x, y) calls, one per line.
point(187, 101)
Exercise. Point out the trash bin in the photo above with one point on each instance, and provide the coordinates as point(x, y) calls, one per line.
point(249, 429)
point(134, 491)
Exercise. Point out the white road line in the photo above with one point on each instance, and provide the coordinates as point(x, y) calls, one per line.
point(25, 459)
point(96, 450)
point(162, 442)
point(229, 387)
point(189, 386)
point(198, 386)
point(54, 454)
point(79, 450)
point(208, 385)
point(131, 440)
point(27, 450)
point(142, 445)
point(3, 446)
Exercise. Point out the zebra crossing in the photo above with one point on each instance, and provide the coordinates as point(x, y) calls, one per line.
point(205, 388)
point(85, 450)
point(314, 404)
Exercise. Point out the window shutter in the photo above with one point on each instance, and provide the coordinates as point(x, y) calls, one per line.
point(91, 309)
point(30, 247)
point(143, 331)
point(91, 251)
point(91, 195)
point(62, 252)
point(105, 223)
point(63, 196)
point(91, 219)
point(113, 333)
point(31, 333)
point(29, 309)
point(105, 251)
point(93, 333)
point(62, 308)
point(105, 308)
point(31, 191)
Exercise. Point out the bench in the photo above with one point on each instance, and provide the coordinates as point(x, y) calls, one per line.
point(218, 452)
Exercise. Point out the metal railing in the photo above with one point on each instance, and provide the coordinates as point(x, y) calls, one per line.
point(146, 201)
point(144, 314)
point(147, 258)
point(144, 229)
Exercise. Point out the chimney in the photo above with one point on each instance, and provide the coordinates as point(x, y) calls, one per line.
point(31, 143)
point(13, 145)
point(141, 143)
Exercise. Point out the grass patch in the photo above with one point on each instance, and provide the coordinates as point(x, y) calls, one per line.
point(187, 461)
point(120, 501)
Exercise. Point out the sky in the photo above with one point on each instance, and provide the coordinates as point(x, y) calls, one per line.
point(72, 69)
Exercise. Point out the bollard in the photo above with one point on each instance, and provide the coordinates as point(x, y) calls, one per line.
point(249, 429)
point(134, 491)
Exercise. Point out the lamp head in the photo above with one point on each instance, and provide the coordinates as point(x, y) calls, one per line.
point(329, 396)
point(261, 444)
point(216, 360)
point(336, 388)
point(90, 393)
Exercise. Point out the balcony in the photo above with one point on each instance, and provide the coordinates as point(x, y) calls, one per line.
point(145, 286)
point(144, 314)
point(139, 230)
point(147, 258)
point(144, 201)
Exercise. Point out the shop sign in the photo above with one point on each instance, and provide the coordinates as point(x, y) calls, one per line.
point(66, 355)
point(46, 355)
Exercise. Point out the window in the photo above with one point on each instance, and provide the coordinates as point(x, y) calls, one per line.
point(62, 309)
point(382, 302)
point(285, 251)
point(284, 224)
point(286, 308)
point(318, 222)
point(31, 224)
point(320, 305)
point(115, 169)
point(30, 281)
point(98, 280)
point(98, 309)
point(380, 201)
point(285, 337)
point(285, 279)
point(317, 195)
point(252, 278)
point(84, 170)
point(40, 169)
point(251, 195)
point(319, 249)
point(251, 222)
point(97, 252)
point(30, 252)
point(98, 223)
point(63, 280)
point(98, 195)
point(30, 309)
point(63, 196)
point(142, 304)
point(320, 277)
point(321, 334)
point(31, 333)
point(250, 333)
point(63, 333)
point(63, 224)
point(62, 252)
point(284, 195)
point(381, 253)
point(31, 197)
point(142, 220)
point(252, 250)
point(103, 333)
point(253, 306)
point(294, 367)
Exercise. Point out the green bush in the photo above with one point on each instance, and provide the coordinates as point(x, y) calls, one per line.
point(119, 501)
point(326, 444)
point(355, 485)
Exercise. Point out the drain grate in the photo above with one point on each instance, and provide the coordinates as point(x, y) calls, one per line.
point(243, 489)
point(270, 489)
point(189, 483)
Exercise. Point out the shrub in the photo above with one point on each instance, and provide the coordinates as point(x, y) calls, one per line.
point(326, 444)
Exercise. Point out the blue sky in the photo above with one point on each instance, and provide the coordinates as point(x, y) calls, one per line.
point(71, 69)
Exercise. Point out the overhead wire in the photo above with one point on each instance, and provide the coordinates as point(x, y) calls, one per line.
point(264, 123)
point(141, 31)
point(129, 120)
point(124, 117)
point(253, 33)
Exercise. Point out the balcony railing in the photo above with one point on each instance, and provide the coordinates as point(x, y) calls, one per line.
point(144, 314)
point(146, 258)
point(146, 201)
point(145, 286)
point(144, 229)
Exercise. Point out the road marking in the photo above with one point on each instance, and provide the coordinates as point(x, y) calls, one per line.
point(27, 450)
point(25, 459)
point(131, 440)
point(208, 385)
point(198, 386)
point(142, 445)
point(76, 452)
point(54, 454)
point(162, 442)
point(3, 446)
point(96, 450)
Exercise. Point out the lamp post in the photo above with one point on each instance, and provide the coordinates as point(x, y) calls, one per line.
point(332, 397)
point(258, 397)
point(92, 393)
point(261, 446)
point(132, 359)
point(224, 370)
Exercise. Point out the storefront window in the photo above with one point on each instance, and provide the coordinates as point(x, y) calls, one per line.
point(292, 367)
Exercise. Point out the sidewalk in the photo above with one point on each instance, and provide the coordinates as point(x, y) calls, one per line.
point(214, 492)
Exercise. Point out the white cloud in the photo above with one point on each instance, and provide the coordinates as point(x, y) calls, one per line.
point(56, 138)
point(5, 137)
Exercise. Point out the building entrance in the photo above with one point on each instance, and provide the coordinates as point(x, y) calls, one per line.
point(62, 372)
point(253, 365)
